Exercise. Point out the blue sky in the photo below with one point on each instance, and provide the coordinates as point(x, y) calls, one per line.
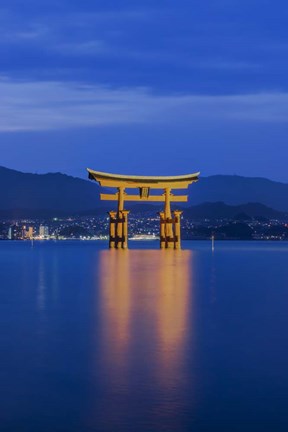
point(145, 87)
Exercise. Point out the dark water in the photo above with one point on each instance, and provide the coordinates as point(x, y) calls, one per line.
point(143, 340)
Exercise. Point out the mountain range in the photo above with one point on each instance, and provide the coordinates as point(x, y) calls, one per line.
point(53, 193)
point(56, 194)
point(234, 190)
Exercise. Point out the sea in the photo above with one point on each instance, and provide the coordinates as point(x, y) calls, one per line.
point(143, 340)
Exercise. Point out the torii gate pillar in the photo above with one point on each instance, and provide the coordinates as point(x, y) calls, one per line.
point(170, 231)
point(118, 224)
point(118, 229)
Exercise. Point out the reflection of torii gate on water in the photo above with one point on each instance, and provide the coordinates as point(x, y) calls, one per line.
point(169, 224)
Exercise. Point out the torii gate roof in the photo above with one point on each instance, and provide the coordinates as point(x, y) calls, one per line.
point(132, 181)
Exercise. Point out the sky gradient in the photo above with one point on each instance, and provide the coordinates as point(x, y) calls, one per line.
point(145, 87)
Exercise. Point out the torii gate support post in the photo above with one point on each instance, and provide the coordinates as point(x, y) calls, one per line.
point(125, 229)
point(177, 229)
point(112, 228)
point(118, 230)
point(162, 230)
point(168, 220)
point(170, 229)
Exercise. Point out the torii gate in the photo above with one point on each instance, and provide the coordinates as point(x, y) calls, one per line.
point(169, 224)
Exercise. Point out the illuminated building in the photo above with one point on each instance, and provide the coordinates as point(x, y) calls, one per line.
point(29, 233)
point(43, 231)
point(15, 232)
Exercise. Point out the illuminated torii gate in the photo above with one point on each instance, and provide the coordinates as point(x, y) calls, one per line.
point(169, 224)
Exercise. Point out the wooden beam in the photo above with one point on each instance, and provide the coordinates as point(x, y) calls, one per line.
point(139, 184)
point(151, 198)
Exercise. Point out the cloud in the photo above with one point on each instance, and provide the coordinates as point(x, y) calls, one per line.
point(16, 31)
point(32, 106)
point(226, 65)
point(90, 47)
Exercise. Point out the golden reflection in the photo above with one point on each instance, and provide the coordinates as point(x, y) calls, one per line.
point(144, 307)
point(143, 332)
point(115, 299)
point(173, 303)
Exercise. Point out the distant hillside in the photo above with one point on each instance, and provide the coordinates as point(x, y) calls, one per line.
point(237, 190)
point(22, 193)
point(220, 210)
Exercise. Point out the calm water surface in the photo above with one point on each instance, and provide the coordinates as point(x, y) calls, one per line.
point(143, 340)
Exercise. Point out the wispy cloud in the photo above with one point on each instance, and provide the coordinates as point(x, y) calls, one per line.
point(17, 32)
point(226, 65)
point(111, 16)
point(33, 106)
point(91, 47)
point(14, 27)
